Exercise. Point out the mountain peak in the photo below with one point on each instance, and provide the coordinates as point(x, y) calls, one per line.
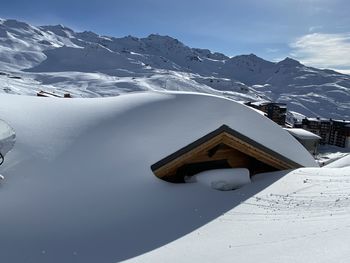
point(58, 26)
point(162, 38)
point(157, 36)
point(88, 34)
point(163, 42)
point(289, 62)
point(251, 60)
point(59, 30)
point(250, 57)
point(12, 23)
point(158, 62)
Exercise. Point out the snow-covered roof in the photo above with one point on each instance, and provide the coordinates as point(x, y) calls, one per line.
point(79, 175)
point(302, 134)
point(264, 102)
point(343, 121)
point(171, 168)
point(318, 119)
point(259, 103)
point(183, 117)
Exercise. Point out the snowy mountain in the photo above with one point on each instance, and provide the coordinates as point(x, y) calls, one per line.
point(85, 64)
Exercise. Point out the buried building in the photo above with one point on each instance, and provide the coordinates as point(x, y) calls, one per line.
point(244, 139)
point(93, 161)
point(221, 148)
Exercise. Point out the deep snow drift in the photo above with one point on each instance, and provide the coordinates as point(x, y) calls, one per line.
point(79, 187)
point(340, 163)
point(222, 179)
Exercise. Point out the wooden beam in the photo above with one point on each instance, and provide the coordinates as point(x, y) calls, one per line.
point(172, 166)
point(240, 145)
point(256, 153)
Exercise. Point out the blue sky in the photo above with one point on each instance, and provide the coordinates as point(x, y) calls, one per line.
point(317, 32)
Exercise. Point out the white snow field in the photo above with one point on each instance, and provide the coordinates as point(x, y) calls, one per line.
point(78, 186)
point(340, 163)
point(294, 217)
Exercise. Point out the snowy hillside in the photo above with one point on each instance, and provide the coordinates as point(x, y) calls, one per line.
point(80, 188)
point(85, 64)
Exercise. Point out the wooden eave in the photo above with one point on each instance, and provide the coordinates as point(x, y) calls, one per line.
point(229, 137)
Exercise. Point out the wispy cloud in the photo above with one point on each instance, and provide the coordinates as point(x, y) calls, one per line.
point(323, 50)
point(315, 28)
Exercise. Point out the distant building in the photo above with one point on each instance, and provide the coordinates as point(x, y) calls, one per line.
point(333, 132)
point(308, 139)
point(275, 111)
point(319, 126)
point(52, 94)
point(340, 133)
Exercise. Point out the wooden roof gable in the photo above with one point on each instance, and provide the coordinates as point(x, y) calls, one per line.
point(222, 135)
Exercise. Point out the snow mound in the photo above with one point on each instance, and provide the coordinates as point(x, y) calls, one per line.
point(79, 187)
point(302, 134)
point(340, 163)
point(224, 179)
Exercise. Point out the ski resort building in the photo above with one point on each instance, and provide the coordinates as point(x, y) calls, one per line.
point(319, 126)
point(275, 111)
point(222, 148)
point(340, 133)
point(333, 132)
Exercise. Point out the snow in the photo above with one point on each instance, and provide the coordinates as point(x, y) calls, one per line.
point(330, 153)
point(7, 138)
point(69, 59)
point(302, 134)
point(260, 103)
point(294, 117)
point(79, 187)
point(87, 59)
point(340, 163)
point(296, 216)
point(224, 179)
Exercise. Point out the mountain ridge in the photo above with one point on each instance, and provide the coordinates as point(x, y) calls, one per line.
point(86, 64)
